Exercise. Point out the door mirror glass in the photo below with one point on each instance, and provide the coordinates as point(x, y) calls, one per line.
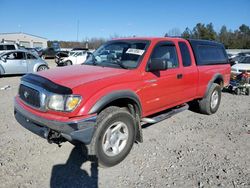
point(157, 65)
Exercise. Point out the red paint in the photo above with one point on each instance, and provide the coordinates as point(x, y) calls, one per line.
point(93, 82)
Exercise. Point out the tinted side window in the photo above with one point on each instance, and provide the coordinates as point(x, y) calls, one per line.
point(15, 56)
point(166, 53)
point(10, 47)
point(186, 59)
point(30, 56)
point(208, 54)
point(1, 47)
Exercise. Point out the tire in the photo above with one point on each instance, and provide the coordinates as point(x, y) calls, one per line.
point(114, 136)
point(68, 62)
point(237, 91)
point(247, 91)
point(42, 68)
point(210, 104)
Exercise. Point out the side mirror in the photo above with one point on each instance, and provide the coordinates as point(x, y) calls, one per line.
point(157, 65)
point(3, 59)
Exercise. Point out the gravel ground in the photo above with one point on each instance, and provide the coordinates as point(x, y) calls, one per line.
point(187, 150)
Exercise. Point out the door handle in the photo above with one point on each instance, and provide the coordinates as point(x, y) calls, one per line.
point(179, 76)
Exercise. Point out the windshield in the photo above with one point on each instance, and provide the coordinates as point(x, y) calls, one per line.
point(119, 54)
point(71, 53)
point(245, 60)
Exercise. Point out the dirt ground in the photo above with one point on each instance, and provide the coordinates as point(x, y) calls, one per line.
point(187, 150)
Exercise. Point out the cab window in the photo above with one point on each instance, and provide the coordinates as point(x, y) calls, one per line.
point(186, 59)
point(166, 52)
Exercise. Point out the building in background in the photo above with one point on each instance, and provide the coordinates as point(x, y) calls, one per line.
point(24, 39)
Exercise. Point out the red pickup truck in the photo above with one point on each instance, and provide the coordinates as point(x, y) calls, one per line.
point(103, 102)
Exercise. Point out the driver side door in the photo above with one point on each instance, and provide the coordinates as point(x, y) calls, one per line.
point(163, 89)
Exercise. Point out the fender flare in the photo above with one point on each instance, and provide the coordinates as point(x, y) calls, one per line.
point(107, 99)
point(215, 77)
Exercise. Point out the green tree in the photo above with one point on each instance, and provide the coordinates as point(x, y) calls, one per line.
point(224, 36)
point(187, 33)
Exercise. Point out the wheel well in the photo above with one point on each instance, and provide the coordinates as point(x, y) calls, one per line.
point(130, 104)
point(133, 108)
point(219, 81)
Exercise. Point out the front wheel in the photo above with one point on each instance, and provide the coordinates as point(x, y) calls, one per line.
point(114, 136)
point(42, 68)
point(211, 102)
point(68, 62)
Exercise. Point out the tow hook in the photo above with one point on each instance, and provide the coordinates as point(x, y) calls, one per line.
point(55, 137)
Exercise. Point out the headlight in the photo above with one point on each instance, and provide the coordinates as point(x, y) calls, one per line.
point(65, 103)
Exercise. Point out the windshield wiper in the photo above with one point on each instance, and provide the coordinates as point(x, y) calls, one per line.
point(118, 62)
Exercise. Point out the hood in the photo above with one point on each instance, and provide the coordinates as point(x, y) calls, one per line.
point(73, 76)
point(241, 66)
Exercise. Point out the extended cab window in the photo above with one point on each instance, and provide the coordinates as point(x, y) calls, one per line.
point(166, 53)
point(186, 59)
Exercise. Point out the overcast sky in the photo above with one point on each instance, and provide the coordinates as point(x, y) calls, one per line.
point(58, 19)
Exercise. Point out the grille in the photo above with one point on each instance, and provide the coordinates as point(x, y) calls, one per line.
point(29, 95)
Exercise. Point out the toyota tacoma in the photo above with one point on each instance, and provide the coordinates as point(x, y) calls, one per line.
point(102, 103)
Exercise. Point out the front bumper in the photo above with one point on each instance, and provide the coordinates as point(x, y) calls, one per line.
point(81, 131)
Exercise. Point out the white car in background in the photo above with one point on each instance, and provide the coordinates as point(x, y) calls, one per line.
point(243, 65)
point(75, 57)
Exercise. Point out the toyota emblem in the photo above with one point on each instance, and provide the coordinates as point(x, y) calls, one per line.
point(26, 94)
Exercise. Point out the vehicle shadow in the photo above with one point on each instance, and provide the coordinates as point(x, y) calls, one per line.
point(11, 75)
point(70, 174)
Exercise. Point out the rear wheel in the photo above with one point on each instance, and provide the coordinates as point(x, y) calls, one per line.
point(211, 102)
point(247, 91)
point(237, 91)
point(114, 136)
point(42, 68)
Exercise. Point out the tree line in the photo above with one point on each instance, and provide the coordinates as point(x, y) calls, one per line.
point(238, 39)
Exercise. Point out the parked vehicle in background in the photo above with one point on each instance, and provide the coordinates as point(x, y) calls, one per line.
point(33, 50)
point(102, 103)
point(60, 56)
point(244, 53)
point(7, 46)
point(234, 59)
point(49, 53)
point(20, 62)
point(83, 49)
point(74, 58)
point(243, 65)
